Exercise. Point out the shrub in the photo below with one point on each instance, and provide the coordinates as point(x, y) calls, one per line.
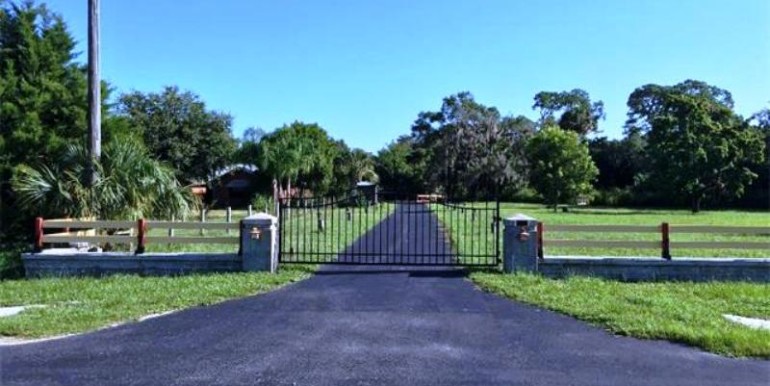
point(263, 202)
point(613, 197)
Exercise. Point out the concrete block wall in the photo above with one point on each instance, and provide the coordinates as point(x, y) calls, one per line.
point(520, 245)
point(258, 252)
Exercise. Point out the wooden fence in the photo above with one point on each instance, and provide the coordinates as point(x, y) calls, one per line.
point(126, 232)
point(664, 244)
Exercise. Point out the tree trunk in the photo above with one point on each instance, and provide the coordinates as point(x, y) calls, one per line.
point(696, 205)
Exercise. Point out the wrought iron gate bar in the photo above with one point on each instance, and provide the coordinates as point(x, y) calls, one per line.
point(374, 227)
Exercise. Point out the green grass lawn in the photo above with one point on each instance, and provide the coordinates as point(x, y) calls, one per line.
point(301, 236)
point(689, 313)
point(469, 232)
point(82, 304)
point(300, 231)
point(462, 237)
point(599, 216)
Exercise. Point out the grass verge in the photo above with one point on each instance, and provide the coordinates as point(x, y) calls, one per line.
point(82, 304)
point(689, 313)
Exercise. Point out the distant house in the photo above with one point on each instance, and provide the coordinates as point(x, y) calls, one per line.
point(367, 189)
point(233, 186)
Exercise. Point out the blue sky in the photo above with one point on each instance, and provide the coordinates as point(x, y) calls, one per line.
point(364, 69)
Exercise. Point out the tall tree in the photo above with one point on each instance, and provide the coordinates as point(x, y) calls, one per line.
point(299, 155)
point(401, 166)
point(178, 129)
point(248, 147)
point(578, 113)
point(561, 167)
point(42, 89)
point(471, 149)
point(619, 160)
point(355, 166)
point(697, 146)
point(43, 100)
point(758, 194)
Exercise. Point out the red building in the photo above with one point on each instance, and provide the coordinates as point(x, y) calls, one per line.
point(234, 186)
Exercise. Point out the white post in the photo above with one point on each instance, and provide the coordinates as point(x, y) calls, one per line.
point(229, 217)
point(171, 230)
point(251, 212)
point(203, 220)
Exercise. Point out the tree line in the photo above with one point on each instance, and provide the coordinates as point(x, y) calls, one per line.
point(156, 144)
point(683, 144)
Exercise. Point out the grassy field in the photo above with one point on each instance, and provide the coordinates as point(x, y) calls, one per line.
point(598, 216)
point(81, 304)
point(300, 230)
point(302, 238)
point(469, 232)
point(217, 216)
point(689, 313)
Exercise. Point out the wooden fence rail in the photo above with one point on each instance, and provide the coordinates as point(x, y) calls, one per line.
point(125, 232)
point(664, 244)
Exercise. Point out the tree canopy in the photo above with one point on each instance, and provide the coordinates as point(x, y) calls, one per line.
point(299, 155)
point(561, 167)
point(619, 160)
point(130, 184)
point(401, 166)
point(42, 89)
point(177, 128)
point(469, 148)
point(578, 113)
point(696, 145)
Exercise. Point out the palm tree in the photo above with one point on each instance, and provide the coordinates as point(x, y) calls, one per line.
point(129, 185)
point(361, 167)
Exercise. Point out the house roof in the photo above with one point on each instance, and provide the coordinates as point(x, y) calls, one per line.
point(238, 184)
point(235, 167)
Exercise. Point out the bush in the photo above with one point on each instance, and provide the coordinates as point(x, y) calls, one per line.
point(11, 266)
point(613, 197)
point(526, 195)
point(263, 202)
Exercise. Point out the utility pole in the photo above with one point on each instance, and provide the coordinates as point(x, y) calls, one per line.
point(94, 89)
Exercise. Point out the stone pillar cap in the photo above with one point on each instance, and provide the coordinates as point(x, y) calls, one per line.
point(261, 216)
point(520, 217)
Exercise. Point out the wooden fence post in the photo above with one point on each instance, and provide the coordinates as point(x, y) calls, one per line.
point(141, 233)
point(38, 234)
point(540, 229)
point(665, 241)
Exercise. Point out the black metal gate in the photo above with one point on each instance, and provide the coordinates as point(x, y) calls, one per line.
point(374, 227)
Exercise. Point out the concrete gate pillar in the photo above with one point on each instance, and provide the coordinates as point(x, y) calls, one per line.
point(259, 243)
point(520, 244)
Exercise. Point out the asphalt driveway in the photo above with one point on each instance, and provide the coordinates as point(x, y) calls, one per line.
point(368, 325)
